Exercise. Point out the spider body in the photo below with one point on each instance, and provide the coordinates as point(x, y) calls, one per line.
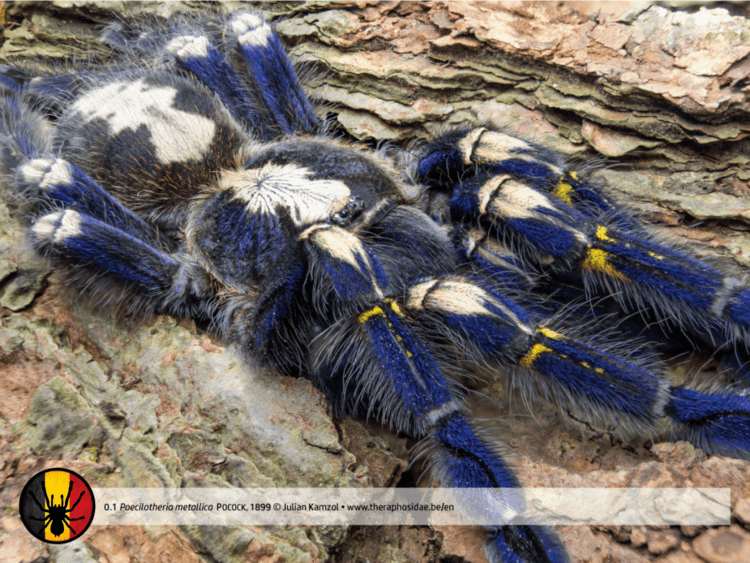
point(57, 516)
point(193, 177)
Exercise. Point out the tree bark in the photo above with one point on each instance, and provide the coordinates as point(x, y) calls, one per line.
point(662, 93)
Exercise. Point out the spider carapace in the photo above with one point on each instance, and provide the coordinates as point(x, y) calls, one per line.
point(192, 175)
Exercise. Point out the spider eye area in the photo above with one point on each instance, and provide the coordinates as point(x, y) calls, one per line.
point(306, 199)
point(349, 213)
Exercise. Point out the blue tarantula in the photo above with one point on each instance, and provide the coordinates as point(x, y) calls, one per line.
point(193, 175)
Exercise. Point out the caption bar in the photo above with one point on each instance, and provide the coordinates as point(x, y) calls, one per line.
point(315, 507)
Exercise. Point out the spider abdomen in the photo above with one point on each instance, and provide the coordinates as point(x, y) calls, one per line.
point(154, 141)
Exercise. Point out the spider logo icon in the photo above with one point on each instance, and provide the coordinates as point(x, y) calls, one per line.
point(52, 501)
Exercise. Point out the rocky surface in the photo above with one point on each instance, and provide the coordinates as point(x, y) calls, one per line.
point(127, 401)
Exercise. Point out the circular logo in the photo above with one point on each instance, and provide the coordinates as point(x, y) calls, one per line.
point(57, 506)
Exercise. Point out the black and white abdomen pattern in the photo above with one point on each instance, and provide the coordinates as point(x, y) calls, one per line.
point(160, 132)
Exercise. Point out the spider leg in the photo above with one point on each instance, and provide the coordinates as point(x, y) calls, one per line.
point(503, 183)
point(24, 132)
point(101, 249)
point(407, 378)
point(461, 459)
point(46, 520)
point(349, 265)
point(198, 56)
point(718, 423)
point(49, 501)
point(72, 508)
point(98, 254)
point(449, 158)
point(275, 330)
point(389, 367)
point(67, 496)
point(487, 257)
point(48, 95)
point(274, 95)
point(65, 521)
point(13, 78)
point(37, 502)
point(601, 386)
point(483, 255)
point(53, 184)
point(274, 74)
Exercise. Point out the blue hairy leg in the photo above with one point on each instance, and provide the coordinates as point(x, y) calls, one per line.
point(200, 57)
point(49, 184)
point(602, 387)
point(546, 214)
point(269, 97)
point(104, 250)
point(452, 157)
point(273, 75)
point(390, 370)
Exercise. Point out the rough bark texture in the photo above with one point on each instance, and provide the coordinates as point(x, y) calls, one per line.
point(132, 402)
